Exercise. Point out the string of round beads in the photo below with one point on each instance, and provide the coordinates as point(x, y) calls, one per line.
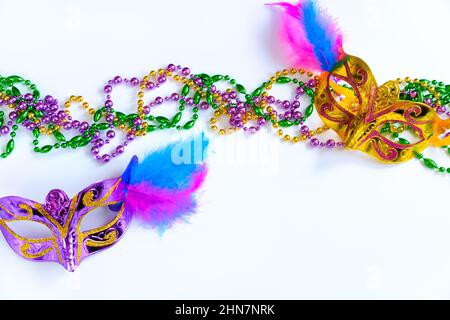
point(243, 109)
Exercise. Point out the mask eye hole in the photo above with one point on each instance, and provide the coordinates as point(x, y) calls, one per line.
point(97, 218)
point(400, 133)
point(30, 229)
point(342, 92)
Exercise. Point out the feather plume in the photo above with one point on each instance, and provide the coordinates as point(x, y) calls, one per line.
point(312, 38)
point(161, 189)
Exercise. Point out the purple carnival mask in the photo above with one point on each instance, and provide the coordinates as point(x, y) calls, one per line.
point(159, 191)
point(68, 245)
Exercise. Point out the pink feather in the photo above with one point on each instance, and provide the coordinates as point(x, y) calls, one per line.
point(295, 40)
point(160, 207)
point(312, 40)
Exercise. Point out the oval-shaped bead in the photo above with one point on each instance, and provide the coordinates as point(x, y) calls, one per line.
point(59, 136)
point(189, 125)
point(310, 92)
point(97, 115)
point(259, 111)
point(75, 140)
point(203, 76)
point(283, 80)
point(285, 123)
point(46, 149)
point(241, 89)
point(197, 97)
point(209, 98)
point(163, 120)
point(10, 146)
point(120, 115)
point(185, 90)
point(15, 91)
point(38, 113)
point(22, 117)
point(177, 118)
point(430, 163)
point(103, 126)
point(93, 129)
point(84, 142)
point(15, 79)
point(131, 117)
point(309, 111)
point(216, 78)
point(257, 92)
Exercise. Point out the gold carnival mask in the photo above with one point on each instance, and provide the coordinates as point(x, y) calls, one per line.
point(380, 121)
point(350, 102)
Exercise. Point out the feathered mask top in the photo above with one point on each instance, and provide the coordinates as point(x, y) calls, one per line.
point(348, 98)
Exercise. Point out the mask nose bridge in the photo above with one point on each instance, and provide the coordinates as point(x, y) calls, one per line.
point(68, 253)
point(68, 244)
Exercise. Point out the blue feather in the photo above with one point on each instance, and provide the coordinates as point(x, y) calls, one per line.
point(322, 33)
point(171, 167)
point(161, 190)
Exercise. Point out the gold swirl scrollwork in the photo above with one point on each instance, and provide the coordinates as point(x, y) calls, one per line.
point(108, 240)
point(385, 151)
point(88, 198)
point(387, 95)
point(24, 250)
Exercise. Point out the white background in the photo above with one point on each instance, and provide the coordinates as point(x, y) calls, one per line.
point(275, 222)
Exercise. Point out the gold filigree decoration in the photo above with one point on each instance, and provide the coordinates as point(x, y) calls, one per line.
point(26, 246)
point(88, 198)
point(108, 240)
point(387, 94)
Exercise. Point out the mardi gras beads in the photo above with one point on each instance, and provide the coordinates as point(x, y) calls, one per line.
point(20, 111)
point(243, 110)
point(46, 116)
